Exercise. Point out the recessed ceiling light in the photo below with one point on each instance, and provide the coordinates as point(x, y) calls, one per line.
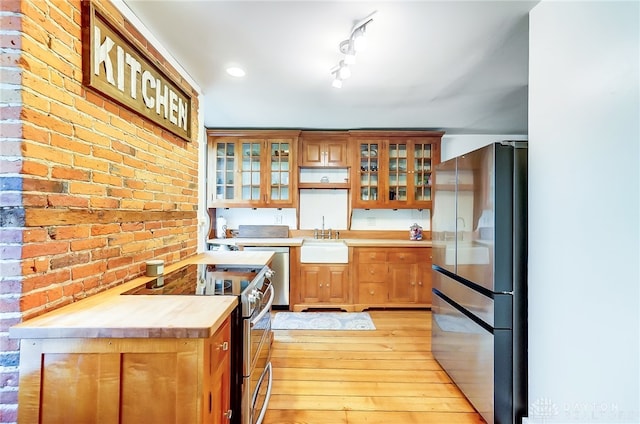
point(235, 71)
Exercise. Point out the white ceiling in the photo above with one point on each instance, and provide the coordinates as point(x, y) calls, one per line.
point(458, 66)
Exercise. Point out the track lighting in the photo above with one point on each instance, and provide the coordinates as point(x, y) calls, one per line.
point(349, 47)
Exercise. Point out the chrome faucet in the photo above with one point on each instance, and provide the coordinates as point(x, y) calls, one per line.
point(322, 234)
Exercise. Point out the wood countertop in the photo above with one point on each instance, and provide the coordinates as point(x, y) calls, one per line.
point(297, 242)
point(111, 315)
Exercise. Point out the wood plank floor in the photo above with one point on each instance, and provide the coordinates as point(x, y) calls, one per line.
point(385, 376)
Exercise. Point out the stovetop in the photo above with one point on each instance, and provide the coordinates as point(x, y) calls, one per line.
point(200, 279)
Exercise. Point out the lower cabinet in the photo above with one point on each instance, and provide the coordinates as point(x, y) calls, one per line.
point(129, 380)
point(323, 286)
point(399, 277)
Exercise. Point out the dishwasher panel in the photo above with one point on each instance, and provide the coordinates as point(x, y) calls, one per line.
point(280, 280)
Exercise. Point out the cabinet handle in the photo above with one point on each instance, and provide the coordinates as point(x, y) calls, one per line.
point(210, 402)
point(223, 346)
point(228, 414)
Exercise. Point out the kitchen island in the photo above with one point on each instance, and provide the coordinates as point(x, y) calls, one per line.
point(120, 358)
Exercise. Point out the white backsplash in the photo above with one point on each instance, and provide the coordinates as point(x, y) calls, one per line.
point(259, 216)
point(333, 206)
point(330, 204)
point(389, 219)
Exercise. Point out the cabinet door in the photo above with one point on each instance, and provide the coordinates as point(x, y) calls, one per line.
point(217, 372)
point(336, 153)
point(397, 173)
point(224, 157)
point(310, 278)
point(337, 283)
point(404, 273)
point(369, 188)
point(280, 174)
point(312, 154)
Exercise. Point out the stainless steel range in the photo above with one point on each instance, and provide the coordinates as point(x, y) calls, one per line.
point(250, 328)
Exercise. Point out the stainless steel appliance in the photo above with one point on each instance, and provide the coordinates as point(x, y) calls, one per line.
point(251, 376)
point(280, 280)
point(479, 313)
point(280, 263)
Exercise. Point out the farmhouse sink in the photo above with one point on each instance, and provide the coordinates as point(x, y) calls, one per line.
point(316, 251)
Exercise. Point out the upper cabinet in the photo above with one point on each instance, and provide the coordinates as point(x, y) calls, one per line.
point(251, 168)
point(324, 149)
point(394, 169)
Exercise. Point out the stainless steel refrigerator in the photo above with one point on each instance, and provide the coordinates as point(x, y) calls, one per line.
point(479, 313)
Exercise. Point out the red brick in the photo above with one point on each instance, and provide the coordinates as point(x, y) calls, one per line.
point(105, 253)
point(65, 173)
point(69, 232)
point(43, 249)
point(88, 270)
point(92, 243)
point(62, 200)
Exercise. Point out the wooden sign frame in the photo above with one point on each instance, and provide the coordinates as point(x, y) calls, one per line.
point(121, 70)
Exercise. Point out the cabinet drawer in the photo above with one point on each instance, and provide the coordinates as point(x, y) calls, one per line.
point(372, 293)
point(371, 256)
point(372, 273)
point(403, 256)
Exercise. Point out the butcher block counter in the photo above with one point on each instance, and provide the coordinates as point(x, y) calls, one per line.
point(115, 358)
point(297, 242)
point(111, 314)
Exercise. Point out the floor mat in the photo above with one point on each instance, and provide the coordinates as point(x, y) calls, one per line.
point(322, 321)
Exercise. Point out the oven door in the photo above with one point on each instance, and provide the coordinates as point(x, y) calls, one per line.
point(258, 381)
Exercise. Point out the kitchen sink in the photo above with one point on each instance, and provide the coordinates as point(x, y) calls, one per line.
point(317, 251)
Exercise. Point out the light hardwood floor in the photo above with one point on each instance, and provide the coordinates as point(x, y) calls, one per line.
point(384, 376)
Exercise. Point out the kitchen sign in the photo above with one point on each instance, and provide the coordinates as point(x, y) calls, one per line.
point(121, 71)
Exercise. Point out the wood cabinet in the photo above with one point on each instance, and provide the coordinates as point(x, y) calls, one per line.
point(394, 169)
point(322, 285)
point(252, 168)
point(130, 380)
point(324, 149)
point(399, 277)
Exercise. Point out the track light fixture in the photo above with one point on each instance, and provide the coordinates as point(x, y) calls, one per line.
point(349, 47)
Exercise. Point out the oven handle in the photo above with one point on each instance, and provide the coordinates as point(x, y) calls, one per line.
point(267, 308)
point(263, 411)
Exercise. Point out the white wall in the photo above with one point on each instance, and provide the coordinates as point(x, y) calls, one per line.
point(457, 144)
point(583, 213)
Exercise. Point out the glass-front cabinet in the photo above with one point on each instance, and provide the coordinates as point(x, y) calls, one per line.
point(251, 169)
point(394, 170)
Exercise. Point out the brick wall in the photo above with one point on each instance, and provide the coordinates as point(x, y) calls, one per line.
point(90, 191)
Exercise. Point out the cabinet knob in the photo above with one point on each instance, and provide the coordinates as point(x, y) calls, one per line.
point(223, 346)
point(371, 292)
point(419, 283)
point(413, 283)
